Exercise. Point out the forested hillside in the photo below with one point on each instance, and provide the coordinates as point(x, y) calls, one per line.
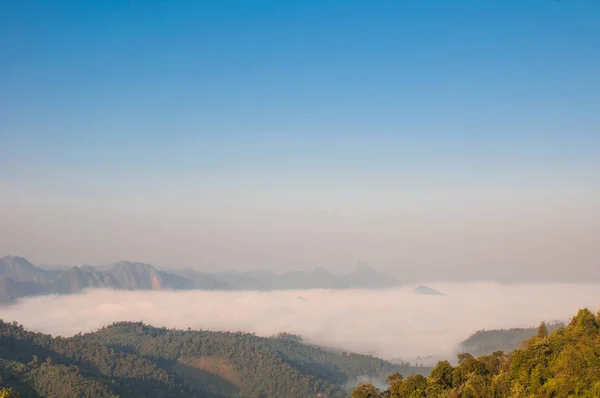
point(485, 342)
point(564, 363)
point(277, 366)
point(137, 360)
point(36, 364)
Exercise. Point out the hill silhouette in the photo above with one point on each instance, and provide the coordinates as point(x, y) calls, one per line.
point(25, 279)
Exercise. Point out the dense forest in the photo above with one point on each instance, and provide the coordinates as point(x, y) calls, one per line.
point(563, 363)
point(131, 359)
point(136, 360)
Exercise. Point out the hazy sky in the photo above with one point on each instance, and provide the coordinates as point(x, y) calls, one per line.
point(428, 138)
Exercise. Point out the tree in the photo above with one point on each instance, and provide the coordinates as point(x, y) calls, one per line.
point(8, 393)
point(464, 358)
point(542, 330)
point(365, 390)
point(413, 386)
point(393, 379)
point(441, 375)
point(585, 323)
point(563, 363)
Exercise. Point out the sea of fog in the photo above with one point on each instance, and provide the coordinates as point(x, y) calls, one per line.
point(391, 323)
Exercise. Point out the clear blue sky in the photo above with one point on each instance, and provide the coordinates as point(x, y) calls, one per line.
point(297, 86)
point(143, 92)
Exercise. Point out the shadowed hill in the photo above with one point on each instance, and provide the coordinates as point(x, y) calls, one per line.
point(74, 367)
point(274, 364)
point(136, 360)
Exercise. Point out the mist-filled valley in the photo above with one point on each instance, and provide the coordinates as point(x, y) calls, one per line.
point(293, 343)
point(389, 323)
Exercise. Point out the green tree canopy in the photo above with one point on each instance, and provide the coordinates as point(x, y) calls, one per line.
point(564, 363)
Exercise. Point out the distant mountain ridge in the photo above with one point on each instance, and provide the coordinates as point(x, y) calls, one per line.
point(20, 278)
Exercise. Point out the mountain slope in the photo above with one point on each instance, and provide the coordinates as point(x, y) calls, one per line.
point(273, 366)
point(259, 370)
point(11, 290)
point(564, 363)
point(485, 342)
point(134, 276)
point(19, 269)
point(135, 360)
point(51, 380)
point(75, 279)
point(80, 365)
point(203, 281)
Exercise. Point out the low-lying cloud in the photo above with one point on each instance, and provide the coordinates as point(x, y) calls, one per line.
point(394, 323)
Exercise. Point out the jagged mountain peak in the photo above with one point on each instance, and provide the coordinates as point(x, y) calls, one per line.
point(22, 261)
point(20, 269)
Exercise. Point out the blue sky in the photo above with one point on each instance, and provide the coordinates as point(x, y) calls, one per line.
point(103, 98)
point(298, 86)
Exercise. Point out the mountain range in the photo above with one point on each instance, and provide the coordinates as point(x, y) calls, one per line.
point(20, 278)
